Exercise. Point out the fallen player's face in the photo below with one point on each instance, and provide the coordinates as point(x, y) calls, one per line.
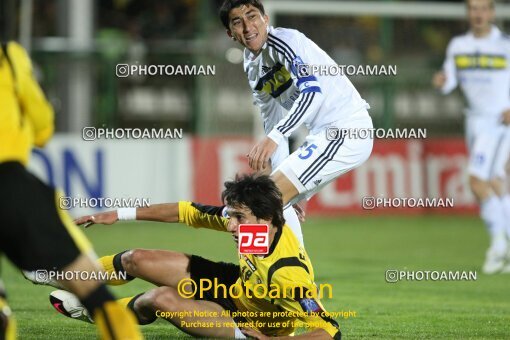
point(480, 14)
point(249, 27)
point(238, 216)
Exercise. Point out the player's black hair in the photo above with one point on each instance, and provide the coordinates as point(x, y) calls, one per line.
point(259, 193)
point(229, 5)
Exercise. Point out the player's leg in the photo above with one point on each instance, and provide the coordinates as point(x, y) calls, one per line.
point(292, 220)
point(7, 322)
point(321, 160)
point(498, 183)
point(160, 267)
point(46, 238)
point(113, 320)
point(287, 188)
point(290, 215)
point(196, 317)
point(485, 186)
point(184, 313)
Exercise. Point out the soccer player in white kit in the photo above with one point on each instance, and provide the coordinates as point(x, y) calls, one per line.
point(277, 62)
point(479, 62)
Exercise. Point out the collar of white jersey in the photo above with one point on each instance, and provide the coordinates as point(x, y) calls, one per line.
point(248, 56)
point(494, 34)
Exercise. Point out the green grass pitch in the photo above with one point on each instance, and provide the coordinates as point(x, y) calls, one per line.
point(352, 254)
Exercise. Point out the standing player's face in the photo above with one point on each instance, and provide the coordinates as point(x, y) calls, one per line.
point(481, 15)
point(249, 27)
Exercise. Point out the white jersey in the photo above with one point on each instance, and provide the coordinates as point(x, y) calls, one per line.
point(288, 95)
point(481, 66)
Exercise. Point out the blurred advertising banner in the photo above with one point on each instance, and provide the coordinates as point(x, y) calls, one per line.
point(100, 175)
point(400, 177)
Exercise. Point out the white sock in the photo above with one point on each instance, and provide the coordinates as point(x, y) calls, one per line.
point(505, 200)
point(238, 334)
point(292, 221)
point(493, 214)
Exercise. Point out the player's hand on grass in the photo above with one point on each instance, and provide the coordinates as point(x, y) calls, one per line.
point(253, 333)
point(505, 117)
point(108, 217)
point(258, 158)
point(439, 79)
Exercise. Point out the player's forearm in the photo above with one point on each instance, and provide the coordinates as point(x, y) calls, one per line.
point(450, 76)
point(166, 212)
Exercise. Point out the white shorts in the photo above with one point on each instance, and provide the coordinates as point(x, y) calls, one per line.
point(281, 153)
point(319, 160)
point(488, 143)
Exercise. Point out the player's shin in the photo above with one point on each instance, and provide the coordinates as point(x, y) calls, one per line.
point(492, 213)
point(112, 265)
point(505, 201)
point(292, 220)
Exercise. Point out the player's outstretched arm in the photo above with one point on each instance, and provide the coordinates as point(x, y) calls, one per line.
point(166, 212)
point(317, 334)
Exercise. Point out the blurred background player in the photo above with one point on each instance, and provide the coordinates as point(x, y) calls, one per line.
point(35, 233)
point(275, 62)
point(479, 62)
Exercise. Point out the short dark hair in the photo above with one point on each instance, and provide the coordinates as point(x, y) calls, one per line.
point(229, 5)
point(259, 193)
point(491, 3)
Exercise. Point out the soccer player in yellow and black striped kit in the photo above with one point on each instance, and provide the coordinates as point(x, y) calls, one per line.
point(34, 233)
point(286, 268)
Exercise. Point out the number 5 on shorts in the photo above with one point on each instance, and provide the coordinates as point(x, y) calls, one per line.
point(308, 151)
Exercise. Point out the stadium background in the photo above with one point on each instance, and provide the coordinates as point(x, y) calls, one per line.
point(76, 45)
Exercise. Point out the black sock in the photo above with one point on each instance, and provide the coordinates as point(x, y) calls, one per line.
point(117, 264)
point(145, 320)
point(97, 299)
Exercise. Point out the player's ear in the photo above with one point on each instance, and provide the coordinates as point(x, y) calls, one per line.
point(229, 33)
point(266, 19)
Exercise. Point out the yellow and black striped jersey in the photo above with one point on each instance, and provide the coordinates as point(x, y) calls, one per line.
point(286, 294)
point(26, 117)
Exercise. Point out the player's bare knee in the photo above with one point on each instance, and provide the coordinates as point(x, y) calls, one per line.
point(133, 259)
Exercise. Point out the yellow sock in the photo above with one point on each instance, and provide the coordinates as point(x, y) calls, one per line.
point(116, 322)
point(115, 278)
point(142, 320)
point(124, 301)
point(10, 327)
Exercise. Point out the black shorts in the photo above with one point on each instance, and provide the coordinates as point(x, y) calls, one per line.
point(224, 273)
point(33, 234)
